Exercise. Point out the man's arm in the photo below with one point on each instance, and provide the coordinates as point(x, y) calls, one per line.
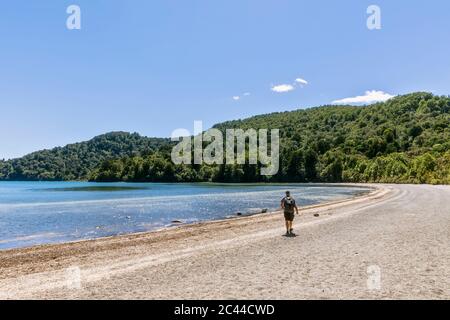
point(282, 204)
point(296, 208)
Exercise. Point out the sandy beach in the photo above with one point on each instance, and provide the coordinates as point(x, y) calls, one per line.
point(391, 244)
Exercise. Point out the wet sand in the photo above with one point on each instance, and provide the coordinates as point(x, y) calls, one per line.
point(391, 244)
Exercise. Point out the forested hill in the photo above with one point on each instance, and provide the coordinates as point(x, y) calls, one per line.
point(406, 139)
point(75, 161)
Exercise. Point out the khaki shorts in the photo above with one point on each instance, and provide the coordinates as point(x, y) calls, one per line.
point(289, 216)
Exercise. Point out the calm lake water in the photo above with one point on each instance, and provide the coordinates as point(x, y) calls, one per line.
point(48, 212)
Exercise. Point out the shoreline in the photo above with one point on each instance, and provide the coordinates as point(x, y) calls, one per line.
point(374, 188)
point(402, 229)
point(22, 266)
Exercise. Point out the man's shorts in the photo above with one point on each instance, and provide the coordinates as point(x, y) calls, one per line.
point(289, 216)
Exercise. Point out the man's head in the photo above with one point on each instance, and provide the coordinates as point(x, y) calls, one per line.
point(288, 193)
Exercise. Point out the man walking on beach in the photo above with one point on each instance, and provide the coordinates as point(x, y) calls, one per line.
point(288, 205)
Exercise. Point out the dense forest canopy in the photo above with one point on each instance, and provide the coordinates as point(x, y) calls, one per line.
point(403, 140)
point(76, 161)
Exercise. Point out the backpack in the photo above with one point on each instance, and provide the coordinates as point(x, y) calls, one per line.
point(289, 204)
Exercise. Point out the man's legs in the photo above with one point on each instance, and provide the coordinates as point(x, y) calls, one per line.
point(289, 229)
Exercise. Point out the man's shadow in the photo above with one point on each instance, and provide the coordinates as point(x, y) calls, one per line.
point(289, 235)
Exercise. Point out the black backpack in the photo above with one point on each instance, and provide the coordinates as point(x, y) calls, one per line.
point(289, 204)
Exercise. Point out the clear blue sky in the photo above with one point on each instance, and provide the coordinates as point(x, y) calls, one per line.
point(154, 66)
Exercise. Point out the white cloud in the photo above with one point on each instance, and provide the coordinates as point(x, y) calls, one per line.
point(281, 88)
point(301, 81)
point(369, 97)
point(237, 98)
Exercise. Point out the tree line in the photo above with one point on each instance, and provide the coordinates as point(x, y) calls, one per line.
point(403, 140)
